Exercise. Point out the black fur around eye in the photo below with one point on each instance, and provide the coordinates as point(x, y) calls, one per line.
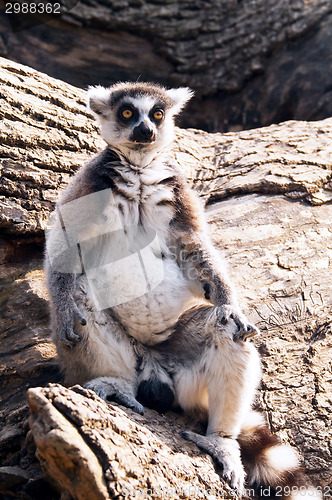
point(127, 113)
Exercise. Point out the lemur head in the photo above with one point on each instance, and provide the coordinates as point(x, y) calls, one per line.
point(137, 117)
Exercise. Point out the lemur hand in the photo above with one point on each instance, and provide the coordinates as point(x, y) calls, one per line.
point(245, 330)
point(66, 323)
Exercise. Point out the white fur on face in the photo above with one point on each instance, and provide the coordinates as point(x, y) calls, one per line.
point(118, 136)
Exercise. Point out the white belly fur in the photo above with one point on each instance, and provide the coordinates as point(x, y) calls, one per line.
point(158, 309)
point(153, 312)
point(125, 276)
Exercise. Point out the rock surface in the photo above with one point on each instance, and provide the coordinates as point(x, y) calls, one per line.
point(268, 198)
point(251, 63)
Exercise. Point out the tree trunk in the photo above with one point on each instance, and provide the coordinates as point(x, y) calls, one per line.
point(267, 193)
point(102, 452)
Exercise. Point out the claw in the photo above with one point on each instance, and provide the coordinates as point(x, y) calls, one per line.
point(78, 315)
point(224, 450)
point(250, 332)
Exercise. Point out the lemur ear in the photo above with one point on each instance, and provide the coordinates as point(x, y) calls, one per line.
point(98, 100)
point(179, 98)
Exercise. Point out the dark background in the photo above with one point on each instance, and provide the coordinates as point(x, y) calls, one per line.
point(250, 62)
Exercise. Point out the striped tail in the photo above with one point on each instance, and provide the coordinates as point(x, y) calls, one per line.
point(273, 468)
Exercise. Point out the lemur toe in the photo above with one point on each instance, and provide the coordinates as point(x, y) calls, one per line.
point(79, 316)
point(117, 390)
point(234, 477)
point(127, 401)
point(189, 436)
point(226, 452)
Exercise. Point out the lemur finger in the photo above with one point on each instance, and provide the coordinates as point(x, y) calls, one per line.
point(250, 332)
point(127, 401)
point(191, 436)
point(78, 315)
point(203, 442)
point(131, 403)
point(240, 321)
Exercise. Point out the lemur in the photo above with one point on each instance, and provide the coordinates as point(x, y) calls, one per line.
point(142, 309)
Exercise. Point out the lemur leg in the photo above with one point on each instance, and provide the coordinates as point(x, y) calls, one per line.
point(230, 372)
point(105, 359)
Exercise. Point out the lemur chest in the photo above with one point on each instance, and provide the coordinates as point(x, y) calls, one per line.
point(138, 275)
point(145, 198)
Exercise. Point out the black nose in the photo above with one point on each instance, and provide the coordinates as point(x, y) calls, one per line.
point(145, 130)
point(143, 133)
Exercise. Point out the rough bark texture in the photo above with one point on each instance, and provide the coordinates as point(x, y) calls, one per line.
point(134, 452)
point(252, 63)
point(46, 134)
point(268, 195)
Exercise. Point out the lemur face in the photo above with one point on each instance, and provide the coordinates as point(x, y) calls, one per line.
point(140, 118)
point(137, 116)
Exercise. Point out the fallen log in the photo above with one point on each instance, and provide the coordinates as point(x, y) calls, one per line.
point(267, 194)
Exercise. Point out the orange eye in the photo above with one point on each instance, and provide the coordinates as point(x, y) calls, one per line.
point(127, 113)
point(157, 115)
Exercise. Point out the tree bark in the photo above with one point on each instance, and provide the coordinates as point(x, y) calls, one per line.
point(120, 454)
point(46, 135)
point(268, 201)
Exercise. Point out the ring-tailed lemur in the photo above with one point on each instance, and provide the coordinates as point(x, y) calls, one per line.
point(142, 309)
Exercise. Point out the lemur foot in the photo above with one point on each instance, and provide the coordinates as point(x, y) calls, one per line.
point(117, 390)
point(224, 450)
point(245, 330)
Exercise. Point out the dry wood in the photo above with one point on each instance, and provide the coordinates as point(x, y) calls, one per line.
point(268, 198)
point(46, 135)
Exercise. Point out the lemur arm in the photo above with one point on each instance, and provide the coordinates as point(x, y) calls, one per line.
point(200, 261)
point(65, 311)
point(62, 262)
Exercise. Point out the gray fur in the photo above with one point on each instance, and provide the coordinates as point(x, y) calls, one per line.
point(185, 333)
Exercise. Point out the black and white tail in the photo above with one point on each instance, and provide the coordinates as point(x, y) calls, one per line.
point(272, 468)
